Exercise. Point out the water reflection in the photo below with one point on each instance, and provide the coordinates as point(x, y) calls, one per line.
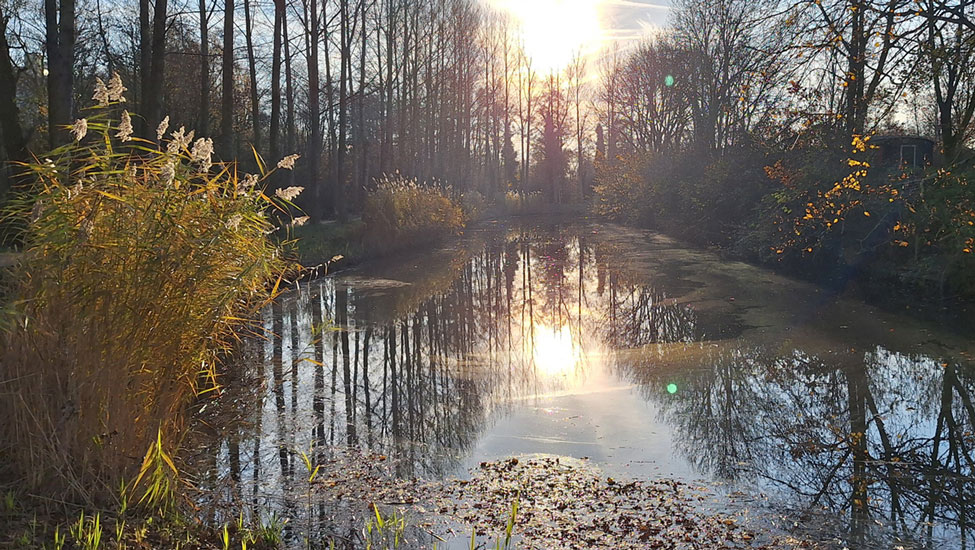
point(422, 360)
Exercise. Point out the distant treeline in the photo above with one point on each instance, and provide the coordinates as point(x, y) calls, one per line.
point(830, 138)
point(744, 123)
point(437, 90)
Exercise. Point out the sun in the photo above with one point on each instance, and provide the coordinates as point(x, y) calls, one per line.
point(554, 31)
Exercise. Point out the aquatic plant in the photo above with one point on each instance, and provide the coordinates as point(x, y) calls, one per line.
point(384, 531)
point(141, 263)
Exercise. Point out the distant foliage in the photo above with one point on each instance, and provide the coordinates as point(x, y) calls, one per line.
point(141, 263)
point(520, 203)
point(401, 211)
point(701, 199)
point(817, 211)
point(473, 204)
point(917, 225)
point(620, 190)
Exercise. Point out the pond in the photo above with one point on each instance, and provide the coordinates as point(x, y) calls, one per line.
point(818, 415)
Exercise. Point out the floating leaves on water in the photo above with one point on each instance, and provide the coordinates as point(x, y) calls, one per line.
point(562, 502)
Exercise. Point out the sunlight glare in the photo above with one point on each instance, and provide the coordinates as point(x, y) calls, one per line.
point(555, 30)
point(555, 353)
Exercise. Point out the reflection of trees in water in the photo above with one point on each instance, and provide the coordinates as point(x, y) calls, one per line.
point(418, 388)
point(417, 372)
point(635, 312)
point(877, 436)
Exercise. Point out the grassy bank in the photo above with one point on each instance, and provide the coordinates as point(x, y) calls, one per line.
point(318, 243)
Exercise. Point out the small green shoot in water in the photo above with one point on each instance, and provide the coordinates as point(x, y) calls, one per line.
point(312, 470)
point(384, 532)
point(509, 528)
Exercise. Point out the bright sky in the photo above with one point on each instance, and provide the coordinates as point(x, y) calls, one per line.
point(554, 30)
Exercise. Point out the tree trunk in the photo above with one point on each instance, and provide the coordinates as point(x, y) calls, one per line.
point(255, 100)
point(14, 142)
point(329, 183)
point(60, 38)
point(203, 117)
point(227, 101)
point(289, 143)
point(361, 141)
point(338, 199)
point(314, 109)
point(275, 147)
point(145, 56)
point(152, 98)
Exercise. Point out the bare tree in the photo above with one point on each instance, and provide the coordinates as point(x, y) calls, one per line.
point(203, 118)
point(227, 101)
point(862, 43)
point(275, 130)
point(153, 86)
point(949, 52)
point(59, 19)
point(576, 74)
point(312, 35)
point(11, 130)
point(252, 66)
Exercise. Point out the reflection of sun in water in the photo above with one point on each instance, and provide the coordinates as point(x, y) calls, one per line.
point(555, 30)
point(555, 353)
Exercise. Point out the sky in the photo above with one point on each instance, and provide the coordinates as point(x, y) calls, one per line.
point(553, 30)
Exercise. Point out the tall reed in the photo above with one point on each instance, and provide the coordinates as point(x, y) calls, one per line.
point(401, 211)
point(142, 261)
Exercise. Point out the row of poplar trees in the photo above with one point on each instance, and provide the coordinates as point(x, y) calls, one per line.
point(439, 90)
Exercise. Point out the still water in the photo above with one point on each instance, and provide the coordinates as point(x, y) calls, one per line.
point(623, 347)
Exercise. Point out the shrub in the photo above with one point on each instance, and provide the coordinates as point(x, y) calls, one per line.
point(521, 202)
point(620, 191)
point(473, 204)
point(699, 197)
point(141, 262)
point(400, 211)
point(935, 230)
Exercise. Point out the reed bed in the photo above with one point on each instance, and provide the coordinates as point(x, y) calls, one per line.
point(401, 212)
point(141, 263)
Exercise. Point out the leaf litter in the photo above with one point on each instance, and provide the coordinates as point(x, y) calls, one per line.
point(563, 503)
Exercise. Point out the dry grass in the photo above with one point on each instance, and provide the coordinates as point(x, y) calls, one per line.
point(141, 264)
point(401, 212)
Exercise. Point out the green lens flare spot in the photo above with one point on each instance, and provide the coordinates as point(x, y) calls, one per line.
point(671, 388)
point(669, 81)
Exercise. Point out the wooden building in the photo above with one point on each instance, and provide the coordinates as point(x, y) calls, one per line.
point(902, 152)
